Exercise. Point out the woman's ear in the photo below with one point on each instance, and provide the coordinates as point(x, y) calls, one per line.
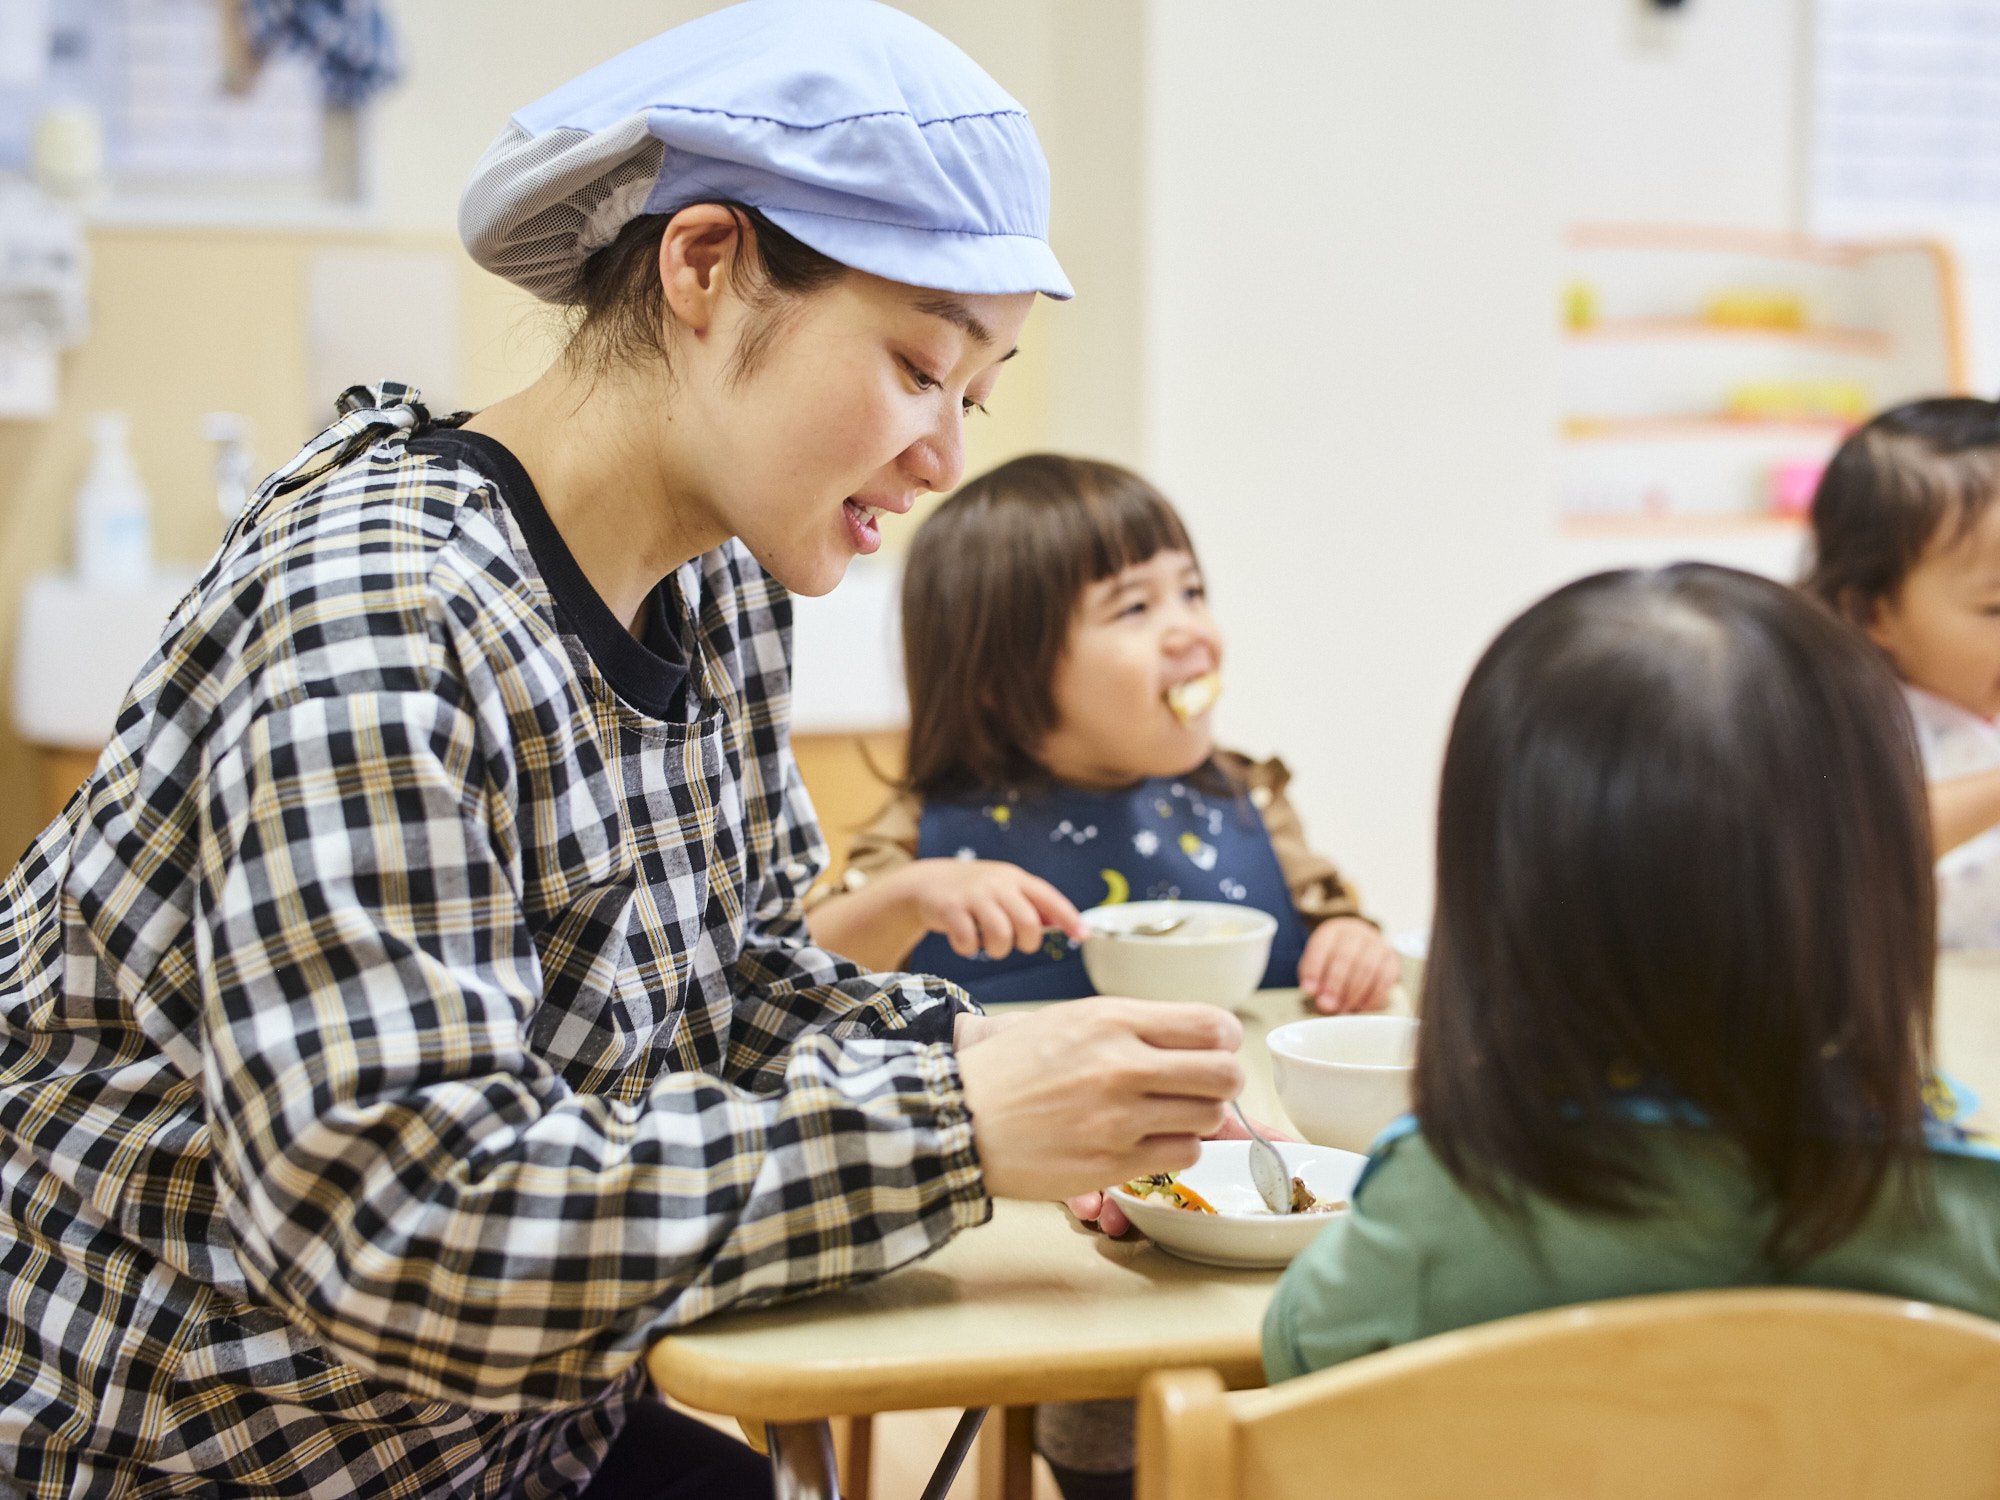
point(698, 260)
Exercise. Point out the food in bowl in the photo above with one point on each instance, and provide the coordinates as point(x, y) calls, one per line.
point(1166, 1187)
point(1209, 951)
point(1341, 1079)
point(1303, 1201)
point(1240, 1231)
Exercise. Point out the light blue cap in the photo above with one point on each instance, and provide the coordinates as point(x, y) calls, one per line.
point(847, 123)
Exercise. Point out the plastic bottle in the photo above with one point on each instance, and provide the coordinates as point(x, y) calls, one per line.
point(114, 527)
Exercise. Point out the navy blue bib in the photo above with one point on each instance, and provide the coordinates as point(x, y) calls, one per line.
point(1159, 839)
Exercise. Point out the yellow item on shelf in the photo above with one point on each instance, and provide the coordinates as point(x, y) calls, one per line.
point(1746, 307)
point(1800, 400)
point(1579, 304)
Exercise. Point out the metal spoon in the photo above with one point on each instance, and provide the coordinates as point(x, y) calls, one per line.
point(1267, 1168)
point(1158, 927)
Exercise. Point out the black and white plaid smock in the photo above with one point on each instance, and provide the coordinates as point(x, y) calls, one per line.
point(399, 1030)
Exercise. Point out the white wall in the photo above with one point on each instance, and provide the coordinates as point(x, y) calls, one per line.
point(1351, 227)
point(1695, 116)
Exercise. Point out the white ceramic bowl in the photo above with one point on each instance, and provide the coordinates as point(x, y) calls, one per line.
point(1242, 1232)
point(1217, 956)
point(1342, 1078)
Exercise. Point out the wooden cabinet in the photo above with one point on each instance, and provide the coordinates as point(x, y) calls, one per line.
point(59, 771)
point(849, 777)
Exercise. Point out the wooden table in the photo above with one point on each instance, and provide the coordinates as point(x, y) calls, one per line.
point(1031, 1307)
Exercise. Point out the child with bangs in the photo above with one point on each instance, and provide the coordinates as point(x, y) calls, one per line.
point(1906, 542)
point(1062, 662)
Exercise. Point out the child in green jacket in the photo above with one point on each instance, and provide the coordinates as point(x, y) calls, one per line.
point(1677, 1014)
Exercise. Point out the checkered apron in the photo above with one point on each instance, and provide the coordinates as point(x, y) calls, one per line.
point(398, 1031)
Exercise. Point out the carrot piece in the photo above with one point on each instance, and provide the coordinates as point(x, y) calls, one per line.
point(1189, 1198)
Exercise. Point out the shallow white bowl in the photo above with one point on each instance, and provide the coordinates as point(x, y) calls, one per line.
point(1242, 1232)
point(1342, 1078)
point(1218, 956)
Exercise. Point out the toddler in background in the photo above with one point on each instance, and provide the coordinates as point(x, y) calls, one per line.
point(1906, 542)
point(1677, 1013)
point(1061, 662)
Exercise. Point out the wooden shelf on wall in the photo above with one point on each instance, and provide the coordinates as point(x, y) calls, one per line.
point(1718, 424)
point(1723, 523)
point(1839, 340)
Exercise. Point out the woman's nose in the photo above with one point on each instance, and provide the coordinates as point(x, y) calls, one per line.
point(937, 459)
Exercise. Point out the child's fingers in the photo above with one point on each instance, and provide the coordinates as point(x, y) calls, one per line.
point(1312, 964)
point(1026, 921)
point(996, 928)
point(1053, 908)
point(1388, 969)
point(1340, 964)
point(1087, 1206)
point(961, 932)
point(1112, 1218)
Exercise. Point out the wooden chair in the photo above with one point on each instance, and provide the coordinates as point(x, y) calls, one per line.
point(1774, 1394)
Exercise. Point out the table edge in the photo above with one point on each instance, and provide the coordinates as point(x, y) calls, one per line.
point(808, 1391)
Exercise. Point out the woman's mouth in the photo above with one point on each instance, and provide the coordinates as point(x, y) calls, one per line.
point(863, 525)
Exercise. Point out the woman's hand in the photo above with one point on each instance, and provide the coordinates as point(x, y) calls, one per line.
point(1101, 1209)
point(1348, 966)
point(1094, 1091)
point(988, 906)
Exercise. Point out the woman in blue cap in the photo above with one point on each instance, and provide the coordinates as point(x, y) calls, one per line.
point(412, 1017)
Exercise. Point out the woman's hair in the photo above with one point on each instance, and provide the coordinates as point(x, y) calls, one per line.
point(989, 592)
point(1913, 474)
point(619, 312)
point(1683, 852)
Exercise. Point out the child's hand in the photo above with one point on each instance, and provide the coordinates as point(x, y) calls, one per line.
point(1348, 966)
point(989, 906)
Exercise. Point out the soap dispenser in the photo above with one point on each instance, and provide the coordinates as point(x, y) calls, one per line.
point(114, 528)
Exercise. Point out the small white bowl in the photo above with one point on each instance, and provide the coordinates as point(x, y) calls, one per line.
point(1342, 1078)
point(1242, 1233)
point(1216, 956)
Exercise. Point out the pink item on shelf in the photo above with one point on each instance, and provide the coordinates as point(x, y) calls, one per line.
point(1792, 484)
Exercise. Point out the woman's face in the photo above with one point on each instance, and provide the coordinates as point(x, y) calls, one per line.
point(1132, 637)
point(853, 405)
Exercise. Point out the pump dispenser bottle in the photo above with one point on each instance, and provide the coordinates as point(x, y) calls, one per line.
point(114, 528)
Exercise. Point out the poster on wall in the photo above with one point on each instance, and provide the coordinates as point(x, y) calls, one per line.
point(190, 128)
point(1905, 141)
point(1905, 118)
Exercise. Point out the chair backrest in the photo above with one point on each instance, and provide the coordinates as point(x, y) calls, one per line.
point(1771, 1393)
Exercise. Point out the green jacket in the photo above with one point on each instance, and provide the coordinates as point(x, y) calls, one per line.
point(1417, 1255)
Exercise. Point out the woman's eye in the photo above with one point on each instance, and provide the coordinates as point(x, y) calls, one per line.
point(969, 406)
point(922, 381)
point(1197, 593)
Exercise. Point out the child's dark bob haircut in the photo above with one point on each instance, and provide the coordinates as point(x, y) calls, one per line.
point(1913, 475)
point(989, 592)
point(1683, 854)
